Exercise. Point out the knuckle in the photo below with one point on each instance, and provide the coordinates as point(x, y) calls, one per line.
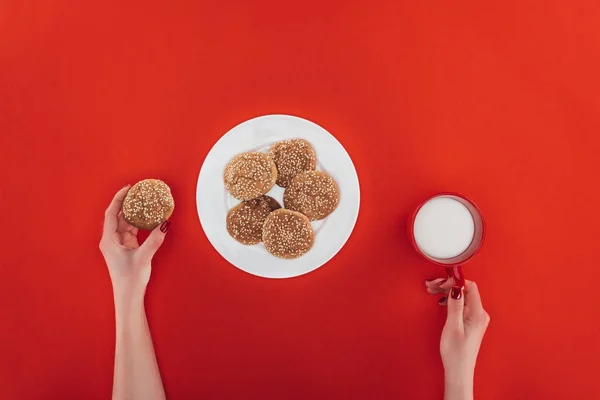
point(481, 317)
point(106, 244)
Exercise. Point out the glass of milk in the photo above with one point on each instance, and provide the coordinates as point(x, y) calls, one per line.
point(448, 230)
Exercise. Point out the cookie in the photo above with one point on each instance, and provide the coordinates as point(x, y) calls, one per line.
point(148, 204)
point(245, 221)
point(292, 157)
point(250, 175)
point(313, 193)
point(287, 234)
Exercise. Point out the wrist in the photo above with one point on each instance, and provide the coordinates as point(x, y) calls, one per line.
point(458, 385)
point(126, 292)
point(129, 284)
point(129, 304)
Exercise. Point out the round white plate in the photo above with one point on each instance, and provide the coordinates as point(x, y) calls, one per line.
point(214, 202)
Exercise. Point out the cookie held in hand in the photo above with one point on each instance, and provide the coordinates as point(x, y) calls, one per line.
point(148, 204)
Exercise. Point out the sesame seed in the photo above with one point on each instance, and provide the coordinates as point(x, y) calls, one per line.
point(245, 221)
point(292, 157)
point(287, 234)
point(313, 193)
point(148, 203)
point(250, 175)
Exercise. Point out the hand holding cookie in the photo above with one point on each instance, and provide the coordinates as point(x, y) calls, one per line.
point(128, 262)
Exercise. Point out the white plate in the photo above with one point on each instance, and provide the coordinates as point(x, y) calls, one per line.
point(214, 202)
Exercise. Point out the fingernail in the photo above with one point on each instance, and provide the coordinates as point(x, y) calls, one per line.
point(443, 299)
point(164, 227)
point(456, 293)
point(442, 282)
point(429, 279)
point(127, 184)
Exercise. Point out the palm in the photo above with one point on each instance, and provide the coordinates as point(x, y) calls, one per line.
point(127, 234)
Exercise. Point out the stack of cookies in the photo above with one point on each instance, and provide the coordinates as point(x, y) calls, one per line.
point(309, 195)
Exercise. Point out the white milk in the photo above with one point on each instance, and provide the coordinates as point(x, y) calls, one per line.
point(443, 228)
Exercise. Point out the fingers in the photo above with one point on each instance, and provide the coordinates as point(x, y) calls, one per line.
point(458, 300)
point(440, 285)
point(153, 242)
point(124, 226)
point(111, 222)
point(473, 298)
point(456, 305)
point(474, 304)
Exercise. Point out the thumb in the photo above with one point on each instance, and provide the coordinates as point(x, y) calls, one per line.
point(456, 306)
point(154, 241)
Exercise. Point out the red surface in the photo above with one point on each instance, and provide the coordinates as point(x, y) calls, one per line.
point(497, 100)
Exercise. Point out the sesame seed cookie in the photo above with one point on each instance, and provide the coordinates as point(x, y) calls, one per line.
point(292, 157)
point(245, 221)
point(148, 204)
point(313, 193)
point(250, 175)
point(287, 234)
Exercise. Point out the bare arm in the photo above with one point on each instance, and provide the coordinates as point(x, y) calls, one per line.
point(459, 387)
point(136, 374)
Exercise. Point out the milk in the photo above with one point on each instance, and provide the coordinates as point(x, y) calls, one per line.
point(443, 228)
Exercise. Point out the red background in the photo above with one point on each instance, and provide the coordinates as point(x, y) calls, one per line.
point(498, 101)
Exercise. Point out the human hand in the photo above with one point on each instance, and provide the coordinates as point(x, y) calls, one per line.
point(129, 264)
point(462, 335)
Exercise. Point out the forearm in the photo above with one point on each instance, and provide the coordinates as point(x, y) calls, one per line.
point(136, 374)
point(459, 387)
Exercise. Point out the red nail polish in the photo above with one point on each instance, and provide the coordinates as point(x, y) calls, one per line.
point(442, 282)
point(440, 301)
point(127, 184)
point(429, 279)
point(164, 227)
point(456, 293)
